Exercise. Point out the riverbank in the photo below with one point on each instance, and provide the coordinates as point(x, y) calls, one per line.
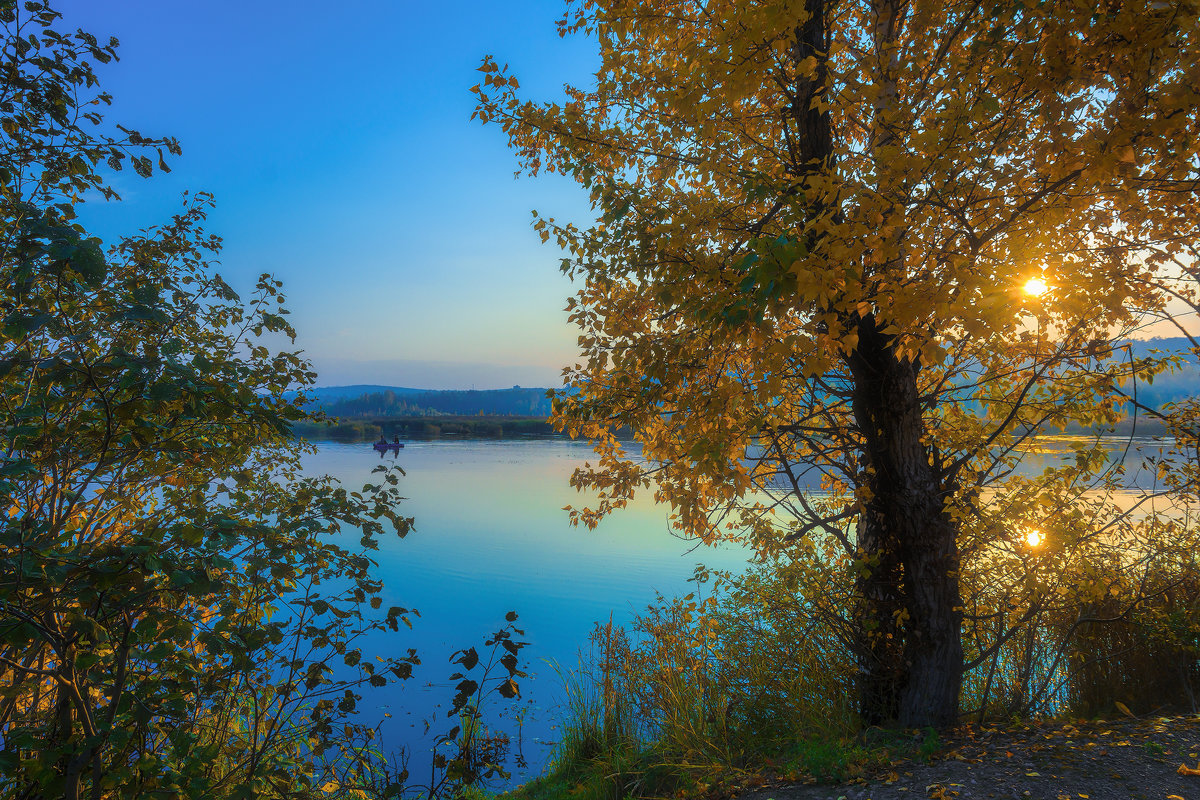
point(1121, 759)
point(424, 428)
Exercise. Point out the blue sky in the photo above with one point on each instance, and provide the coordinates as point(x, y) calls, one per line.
point(337, 140)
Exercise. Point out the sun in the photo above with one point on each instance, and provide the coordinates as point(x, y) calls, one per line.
point(1034, 537)
point(1036, 287)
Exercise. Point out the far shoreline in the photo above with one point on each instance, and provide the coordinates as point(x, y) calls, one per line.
point(426, 428)
point(498, 426)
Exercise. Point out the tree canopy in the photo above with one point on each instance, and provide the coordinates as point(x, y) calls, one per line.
point(851, 256)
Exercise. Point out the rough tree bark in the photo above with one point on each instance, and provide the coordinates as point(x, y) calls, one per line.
point(910, 648)
point(911, 657)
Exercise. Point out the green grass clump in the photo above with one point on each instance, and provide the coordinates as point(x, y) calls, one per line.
point(704, 694)
point(835, 760)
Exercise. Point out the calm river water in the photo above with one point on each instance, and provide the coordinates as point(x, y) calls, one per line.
point(491, 536)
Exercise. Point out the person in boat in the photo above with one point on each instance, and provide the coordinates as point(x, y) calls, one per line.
point(395, 440)
point(382, 439)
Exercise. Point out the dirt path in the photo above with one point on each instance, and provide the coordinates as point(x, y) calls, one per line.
point(1114, 760)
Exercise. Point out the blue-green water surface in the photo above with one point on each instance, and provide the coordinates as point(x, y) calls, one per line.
point(491, 536)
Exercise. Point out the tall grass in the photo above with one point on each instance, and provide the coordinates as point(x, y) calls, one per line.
point(1139, 646)
point(760, 672)
point(699, 687)
point(601, 747)
point(1133, 649)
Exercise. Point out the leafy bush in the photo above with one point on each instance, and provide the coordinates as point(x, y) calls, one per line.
point(180, 608)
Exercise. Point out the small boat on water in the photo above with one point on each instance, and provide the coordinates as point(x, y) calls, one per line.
point(385, 446)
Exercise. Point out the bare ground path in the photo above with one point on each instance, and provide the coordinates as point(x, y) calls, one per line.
point(1126, 759)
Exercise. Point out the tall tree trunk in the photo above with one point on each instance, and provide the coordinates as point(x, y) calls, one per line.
point(882, 669)
point(910, 656)
point(910, 621)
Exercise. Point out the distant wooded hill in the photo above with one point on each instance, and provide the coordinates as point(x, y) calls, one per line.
point(389, 401)
point(371, 401)
point(1168, 387)
point(328, 394)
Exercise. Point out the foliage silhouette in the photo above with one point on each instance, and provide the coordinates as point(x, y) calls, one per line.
point(182, 610)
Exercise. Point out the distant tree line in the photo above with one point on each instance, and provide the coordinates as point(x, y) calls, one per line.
point(516, 402)
point(426, 427)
